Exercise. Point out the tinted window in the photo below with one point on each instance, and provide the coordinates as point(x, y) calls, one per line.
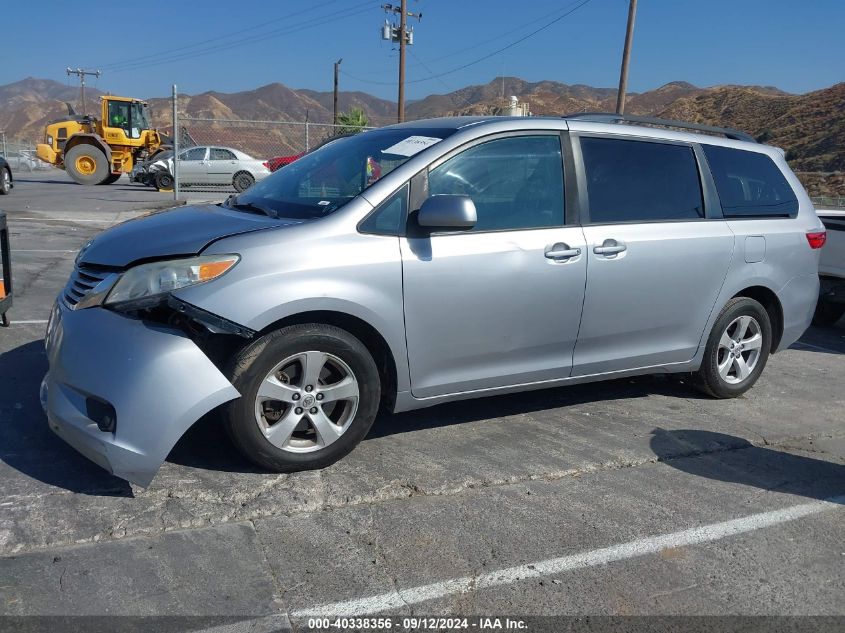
point(515, 183)
point(388, 218)
point(749, 183)
point(218, 153)
point(636, 181)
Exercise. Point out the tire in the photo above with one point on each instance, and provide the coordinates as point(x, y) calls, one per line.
point(86, 164)
point(827, 313)
point(756, 339)
point(5, 181)
point(163, 181)
point(111, 179)
point(277, 434)
point(242, 181)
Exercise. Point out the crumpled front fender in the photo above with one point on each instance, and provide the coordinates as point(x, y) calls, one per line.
point(158, 381)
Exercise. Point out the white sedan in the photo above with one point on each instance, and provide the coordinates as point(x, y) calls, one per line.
point(208, 165)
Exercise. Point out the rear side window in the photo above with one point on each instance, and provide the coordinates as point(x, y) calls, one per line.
point(641, 181)
point(749, 184)
point(218, 153)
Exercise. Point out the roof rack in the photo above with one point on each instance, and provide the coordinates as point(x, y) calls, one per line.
point(609, 117)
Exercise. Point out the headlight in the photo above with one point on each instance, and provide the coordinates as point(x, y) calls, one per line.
point(153, 281)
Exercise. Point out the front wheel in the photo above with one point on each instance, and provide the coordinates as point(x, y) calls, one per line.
point(86, 164)
point(309, 394)
point(163, 181)
point(737, 349)
point(5, 181)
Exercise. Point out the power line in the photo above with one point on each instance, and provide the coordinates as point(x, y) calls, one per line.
point(445, 85)
point(486, 41)
point(301, 26)
point(484, 57)
point(204, 42)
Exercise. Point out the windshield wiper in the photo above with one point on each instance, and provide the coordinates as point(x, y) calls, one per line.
point(233, 203)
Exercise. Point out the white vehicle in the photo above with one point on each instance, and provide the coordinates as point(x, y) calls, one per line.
point(208, 165)
point(831, 304)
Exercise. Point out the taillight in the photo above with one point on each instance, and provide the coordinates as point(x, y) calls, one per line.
point(266, 163)
point(816, 239)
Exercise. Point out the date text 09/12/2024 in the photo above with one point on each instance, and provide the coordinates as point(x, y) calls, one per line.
point(416, 623)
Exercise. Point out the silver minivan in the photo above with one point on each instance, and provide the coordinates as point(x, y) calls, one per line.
point(429, 262)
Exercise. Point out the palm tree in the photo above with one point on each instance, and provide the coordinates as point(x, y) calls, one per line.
point(352, 121)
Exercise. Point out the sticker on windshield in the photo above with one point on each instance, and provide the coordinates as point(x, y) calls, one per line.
point(411, 145)
point(323, 203)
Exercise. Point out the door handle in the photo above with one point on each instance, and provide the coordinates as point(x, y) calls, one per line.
point(610, 248)
point(561, 251)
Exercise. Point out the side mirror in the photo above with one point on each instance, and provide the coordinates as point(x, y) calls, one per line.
point(446, 211)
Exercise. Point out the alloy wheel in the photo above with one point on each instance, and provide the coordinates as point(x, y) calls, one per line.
point(739, 349)
point(307, 402)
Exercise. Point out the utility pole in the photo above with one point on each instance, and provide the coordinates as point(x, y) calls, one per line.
point(336, 71)
point(404, 37)
point(81, 74)
point(626, 54)
point(175, 143)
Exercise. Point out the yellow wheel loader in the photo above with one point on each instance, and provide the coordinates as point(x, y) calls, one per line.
point(96, 151)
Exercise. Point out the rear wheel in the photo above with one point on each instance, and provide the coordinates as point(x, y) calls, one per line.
point(111, 179)
point(5, 181)
point(737, 349)
point(86, 164)
point(309, 394)
point(243, 181)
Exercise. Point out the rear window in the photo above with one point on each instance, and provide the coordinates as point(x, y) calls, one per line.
point(641, 181)
point(750, 184)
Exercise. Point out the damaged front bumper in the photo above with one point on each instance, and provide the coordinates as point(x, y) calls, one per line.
point(145, 383)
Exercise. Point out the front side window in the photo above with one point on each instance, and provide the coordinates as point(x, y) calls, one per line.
point(515, 182)
point(640, 181)
point(195, 153)
point(322, 181)
point(388, 219)
point(119, 115)
point(749, 184)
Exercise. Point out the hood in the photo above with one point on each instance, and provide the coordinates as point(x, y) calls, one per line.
point(183, 231)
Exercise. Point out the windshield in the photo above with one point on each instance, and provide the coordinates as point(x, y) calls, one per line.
point(324, 180)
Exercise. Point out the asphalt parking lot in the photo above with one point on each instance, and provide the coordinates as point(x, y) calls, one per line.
point(632, 497)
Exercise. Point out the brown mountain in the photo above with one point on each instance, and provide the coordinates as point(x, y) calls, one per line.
point(810, 127)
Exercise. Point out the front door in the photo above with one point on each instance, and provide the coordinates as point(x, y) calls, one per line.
point(656, 262)
point(192, 166)
point(499, 304)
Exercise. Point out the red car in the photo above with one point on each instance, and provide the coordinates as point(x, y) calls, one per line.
point(280, 161)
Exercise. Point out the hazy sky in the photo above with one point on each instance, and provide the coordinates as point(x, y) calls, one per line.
point(796, 45)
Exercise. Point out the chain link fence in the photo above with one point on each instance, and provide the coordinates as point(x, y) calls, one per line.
point(21, 155)
point(828, 202)
point(220, 156)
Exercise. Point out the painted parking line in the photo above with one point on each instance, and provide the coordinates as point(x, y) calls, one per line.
point(633, 549)
point(29, 322)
